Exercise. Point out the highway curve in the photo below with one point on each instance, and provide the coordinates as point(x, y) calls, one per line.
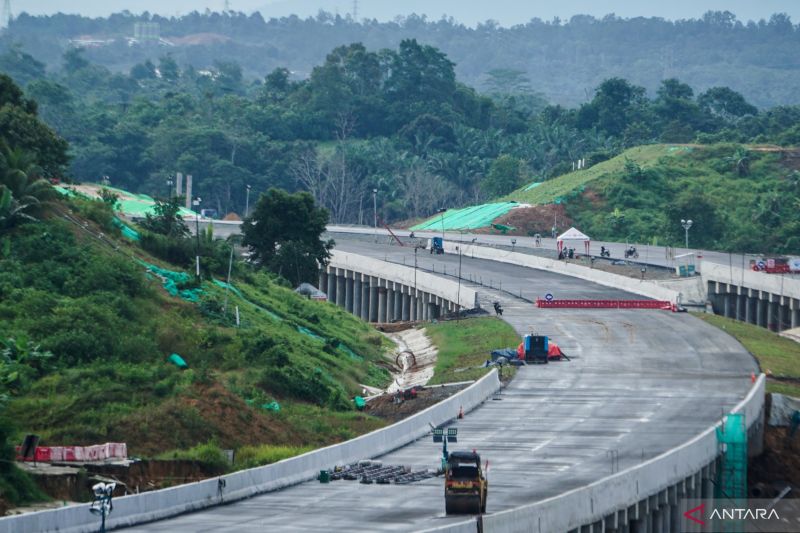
point(639, 383)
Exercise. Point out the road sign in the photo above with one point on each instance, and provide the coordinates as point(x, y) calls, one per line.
point(548, 297)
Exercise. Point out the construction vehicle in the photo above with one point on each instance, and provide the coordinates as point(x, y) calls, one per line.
point(437, 245)
point(465, 485)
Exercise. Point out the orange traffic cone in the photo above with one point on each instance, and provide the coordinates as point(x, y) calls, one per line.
point(752, 377)
point(461, 412)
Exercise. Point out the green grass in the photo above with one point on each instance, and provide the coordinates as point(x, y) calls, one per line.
point(777, 356)
point(562, 187)
point(252, 456)
point(465, 345)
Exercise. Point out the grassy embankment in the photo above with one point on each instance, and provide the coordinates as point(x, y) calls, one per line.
point(465, 345)
point(778, 357)
point(111, 327)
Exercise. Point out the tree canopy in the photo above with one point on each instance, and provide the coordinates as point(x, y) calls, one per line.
point(283, 235)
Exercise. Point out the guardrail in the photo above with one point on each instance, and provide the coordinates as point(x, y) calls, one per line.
point(165, 503)
point(591, 503)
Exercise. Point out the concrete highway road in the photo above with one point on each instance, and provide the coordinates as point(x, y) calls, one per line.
point(640, 382)
point(650, 255)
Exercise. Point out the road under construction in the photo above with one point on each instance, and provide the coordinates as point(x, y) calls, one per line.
point(639, 383)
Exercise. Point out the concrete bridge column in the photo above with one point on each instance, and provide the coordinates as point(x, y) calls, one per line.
point(795, 310)
point(365, 297)
point(761, 313)
point(420, 308)
point(770, 314)
point(382, 305)
point(331, 285)
point(780, 320)
point(398, 301)
point(406, 305)
point(739, 305)
point(412, 305)
point(357, 294)
point(390, 302)
point(425, 310)
point(348, 292)
point(726, 305)
point(373, 299)
point(340, 287)
point(674, 494)
point(323, 280)
point(748, 309)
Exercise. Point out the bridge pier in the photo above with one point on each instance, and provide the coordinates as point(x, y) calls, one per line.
point(348, 292)
point(382, 305)
point(357, 294)
point(340, 287)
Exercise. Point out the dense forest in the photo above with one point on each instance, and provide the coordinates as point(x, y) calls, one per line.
point(564, 59)
point(397, 121)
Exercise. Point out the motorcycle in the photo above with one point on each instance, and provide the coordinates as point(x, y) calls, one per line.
point(604, 252)
point(631, 253)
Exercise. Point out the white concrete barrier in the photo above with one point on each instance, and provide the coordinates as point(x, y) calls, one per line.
point(591, 503)
point(636, 286)
point(444, 288)
point(160, 504)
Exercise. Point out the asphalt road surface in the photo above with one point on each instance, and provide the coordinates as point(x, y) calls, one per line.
point(640, 382)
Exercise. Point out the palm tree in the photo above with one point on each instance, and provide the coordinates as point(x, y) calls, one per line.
point(26, 190)
point(741, 161)
point(11, 211)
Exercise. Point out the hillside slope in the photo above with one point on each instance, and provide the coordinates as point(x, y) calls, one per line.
point(740, 198)
point(76, 289)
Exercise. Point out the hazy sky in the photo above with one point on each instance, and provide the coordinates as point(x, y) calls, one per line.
point(507, 12)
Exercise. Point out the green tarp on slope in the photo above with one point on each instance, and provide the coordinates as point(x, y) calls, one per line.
point(171, 280)
point(474, 217)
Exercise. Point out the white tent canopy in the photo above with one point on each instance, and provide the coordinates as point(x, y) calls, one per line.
point(573, 234)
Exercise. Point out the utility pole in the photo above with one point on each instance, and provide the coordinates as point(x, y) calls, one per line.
point(247, 203)
point(196, 203)
point(355, 10)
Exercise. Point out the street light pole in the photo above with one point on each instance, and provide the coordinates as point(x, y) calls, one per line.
point(686, 225)
point(196, 202)
point(458, 294)
point(375, 212)
point(247, 203)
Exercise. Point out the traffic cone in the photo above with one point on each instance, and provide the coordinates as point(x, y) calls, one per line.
point(752, 377)
point(461, 412)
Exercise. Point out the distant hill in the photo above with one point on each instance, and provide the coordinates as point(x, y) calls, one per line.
point(742, 198)
point(563, 60)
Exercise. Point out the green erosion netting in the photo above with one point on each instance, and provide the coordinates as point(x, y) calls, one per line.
point(532, 185)
point(171, 280)
point(127, 231)
point(474, 217)
point(229, 287)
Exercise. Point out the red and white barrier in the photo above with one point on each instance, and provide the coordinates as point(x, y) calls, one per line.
point(98, 452)
point(606, 304)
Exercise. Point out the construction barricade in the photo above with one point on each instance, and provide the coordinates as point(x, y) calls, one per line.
point(606, 304)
